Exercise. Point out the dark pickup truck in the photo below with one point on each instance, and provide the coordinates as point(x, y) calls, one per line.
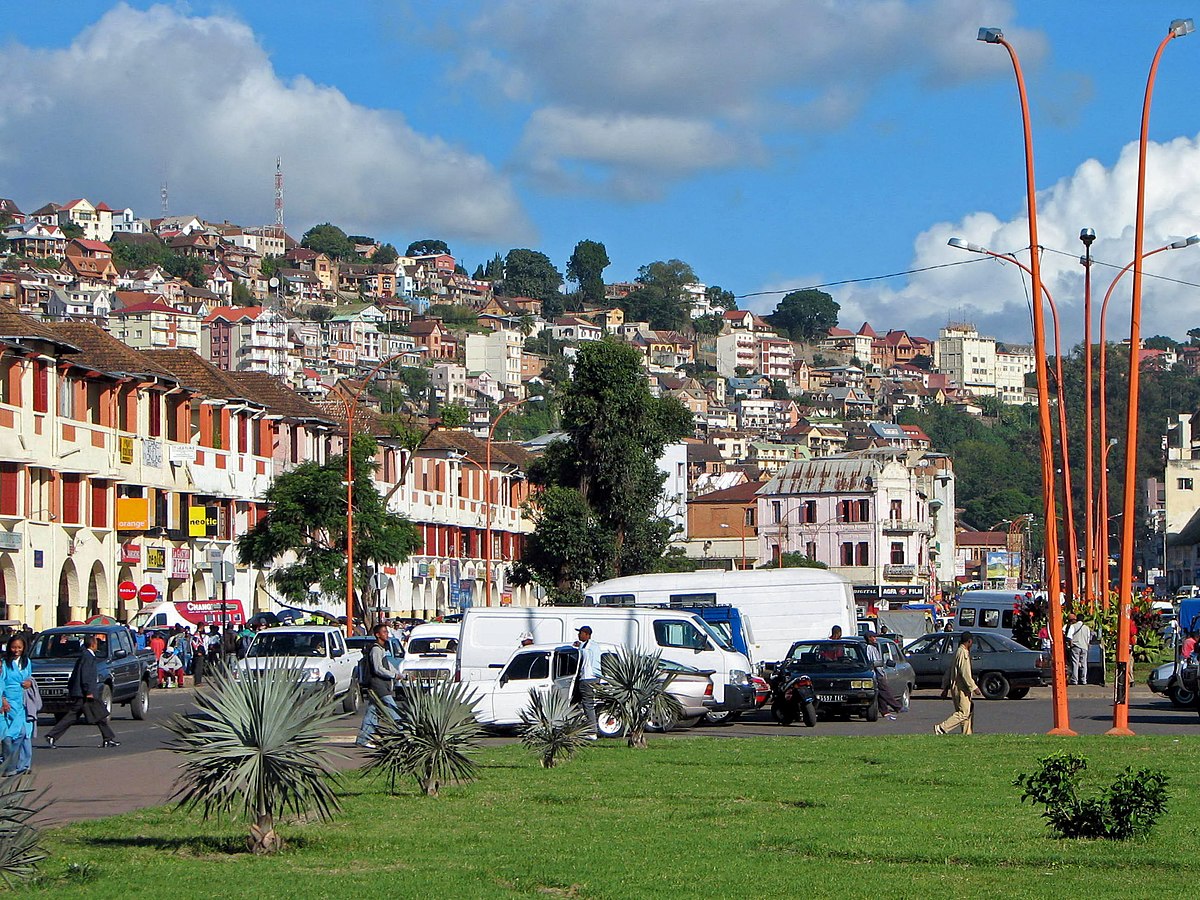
point(125, 672)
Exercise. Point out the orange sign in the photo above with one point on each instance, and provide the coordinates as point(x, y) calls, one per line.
point(133, 514)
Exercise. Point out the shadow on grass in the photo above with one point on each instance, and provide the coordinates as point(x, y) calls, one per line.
point(199, 845)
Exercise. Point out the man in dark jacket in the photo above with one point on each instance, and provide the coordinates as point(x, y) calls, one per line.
point(380, 677)
point(83, 689)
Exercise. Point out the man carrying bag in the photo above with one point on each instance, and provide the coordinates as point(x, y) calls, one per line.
point(82, 690)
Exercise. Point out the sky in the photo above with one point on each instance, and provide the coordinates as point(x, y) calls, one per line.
point(770, 144)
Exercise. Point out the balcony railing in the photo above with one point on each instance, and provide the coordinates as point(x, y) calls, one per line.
point(906, 526)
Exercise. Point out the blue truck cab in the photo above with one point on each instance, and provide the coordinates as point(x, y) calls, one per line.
point(727, 622)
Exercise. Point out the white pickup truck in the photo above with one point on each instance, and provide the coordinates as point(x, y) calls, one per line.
point(321, 651)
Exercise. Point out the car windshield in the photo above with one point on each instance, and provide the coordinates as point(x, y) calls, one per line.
point(718, 638)
point(287, 644)
point(419, 645)
point(829, 654)
point(66, 645)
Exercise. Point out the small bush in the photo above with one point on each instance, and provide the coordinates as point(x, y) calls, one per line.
point(633, 690)
point(1128, 808)
point(553, 727)
point(430, 740)
point(20, 841)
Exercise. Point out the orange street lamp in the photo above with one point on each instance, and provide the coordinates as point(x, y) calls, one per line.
point(1102, 504)
point(742, 529)
point(1061, 715)
point(1102, 545)
point(1072, 553)
point(1088, 236)
point(1178, 28)
point(488, 484)
point(351, 408)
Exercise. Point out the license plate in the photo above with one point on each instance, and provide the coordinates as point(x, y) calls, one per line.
point(54, 692)
point(831, 698)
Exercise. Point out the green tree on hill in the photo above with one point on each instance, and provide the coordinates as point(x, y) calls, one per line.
point(330, 240)
point(805, 315)
point(427, 247)
point(659, 298)
point(586, 268)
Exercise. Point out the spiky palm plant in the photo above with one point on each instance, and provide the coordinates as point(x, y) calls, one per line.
point(553, 727)
point(20, 847)
point(430, 739)
point(633, 689)
point(257, 747)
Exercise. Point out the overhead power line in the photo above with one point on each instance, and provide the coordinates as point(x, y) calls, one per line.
point(814, 287)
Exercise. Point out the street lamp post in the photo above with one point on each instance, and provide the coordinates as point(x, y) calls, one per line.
point(1061, 715)
point(1178, 28)
point(1072, 554)
point(742, 529)
point(1102, 504)
point(504, 411)
point(1088, 236)
point(351, 408)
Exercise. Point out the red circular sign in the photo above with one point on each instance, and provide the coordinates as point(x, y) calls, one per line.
point(126, 591)
point(147, 593)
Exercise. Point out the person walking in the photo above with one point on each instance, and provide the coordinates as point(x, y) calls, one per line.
point(380, 679)
point(589, 677)
point(1079, 636)
point(883, 691)
point(15, 679)
point(82, 690)
point(960, 686)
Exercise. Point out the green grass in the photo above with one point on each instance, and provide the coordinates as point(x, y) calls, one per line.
point(896, 816)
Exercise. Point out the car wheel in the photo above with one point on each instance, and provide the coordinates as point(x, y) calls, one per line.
point(106, 697)
point(993, 686)
point(906, 697)
point(872, 712)
point(1181, 696)
point(782, 714)
point(724, 717)
point(810, 715)
point(141, 701)
point(353, 697)
point(608, 725)
point(1018, 693)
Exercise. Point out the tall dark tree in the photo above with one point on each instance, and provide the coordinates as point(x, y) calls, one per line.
point(586, 268)
point(427, 247)
point(805, 315)
point(719, 298)
point(495, 269)
point(330, 240)
point(529, 273)
point(307, 521)
point(616, 432)
point(385, 255)
point(659, 298)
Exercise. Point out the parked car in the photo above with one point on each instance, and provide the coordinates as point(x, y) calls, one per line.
point(1001, 667)
point(125, 673)
point(319, 649)
point(842, 675)
point(1167, 680)
point(900, 675)
point(430, 653)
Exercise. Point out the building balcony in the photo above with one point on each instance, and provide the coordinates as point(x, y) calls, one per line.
point(906, 526)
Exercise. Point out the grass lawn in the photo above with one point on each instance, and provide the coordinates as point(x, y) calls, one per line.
point(897, 816)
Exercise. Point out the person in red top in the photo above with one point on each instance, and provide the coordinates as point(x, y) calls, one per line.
point(1189, 645)
point(158, 645)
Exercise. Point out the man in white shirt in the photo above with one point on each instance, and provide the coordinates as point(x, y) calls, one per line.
point(1079, 636)
point(589, 676)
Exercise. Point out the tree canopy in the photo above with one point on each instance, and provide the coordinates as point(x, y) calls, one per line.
point(719, 298)
point(427, 247)
point(805, 315)
point(385, 255)
point(330, 240)
point(659, 297)
point(307, 518)
point(599, 515)
point(529, 273)
point(586, 268)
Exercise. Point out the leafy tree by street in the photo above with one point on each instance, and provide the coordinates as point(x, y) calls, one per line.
point(586, 268)
point(805, 315)
point(307, 518)
point(659, 297)
point(427, 247)
point(330, 240)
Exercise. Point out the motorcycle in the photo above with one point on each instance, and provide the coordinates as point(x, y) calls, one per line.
point(793, 698)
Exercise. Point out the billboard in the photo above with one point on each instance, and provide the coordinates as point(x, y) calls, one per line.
point(1003, 565)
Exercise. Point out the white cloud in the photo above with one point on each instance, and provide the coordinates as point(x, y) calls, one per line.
point(727, 68)
point(145, 97)
point(993, 295)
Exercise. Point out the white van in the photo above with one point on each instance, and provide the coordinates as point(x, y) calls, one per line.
point(988, 611)
point(490, 634)
point(778, 606)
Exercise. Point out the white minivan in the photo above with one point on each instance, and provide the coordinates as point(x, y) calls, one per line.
point(778, 606)
point(490, 634)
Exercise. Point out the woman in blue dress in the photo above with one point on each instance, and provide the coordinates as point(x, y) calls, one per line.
point(16, 737)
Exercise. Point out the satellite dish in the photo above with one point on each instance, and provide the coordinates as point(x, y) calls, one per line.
point(274, 282)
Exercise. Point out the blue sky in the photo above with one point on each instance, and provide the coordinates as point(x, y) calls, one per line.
point(770, 144)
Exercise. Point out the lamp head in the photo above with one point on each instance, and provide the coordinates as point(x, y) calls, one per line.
point(1180, 27)
point(962, 244)
point(1185, 242)
point(1087, 235)
point(995, 35)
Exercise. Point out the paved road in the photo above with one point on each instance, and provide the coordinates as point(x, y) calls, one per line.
point(86, 782)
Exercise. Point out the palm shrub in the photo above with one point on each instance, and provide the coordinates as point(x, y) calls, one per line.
point(633, 690)
point(257, 747)
point(20, 840)
point(430, 739)
point(553, 727)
